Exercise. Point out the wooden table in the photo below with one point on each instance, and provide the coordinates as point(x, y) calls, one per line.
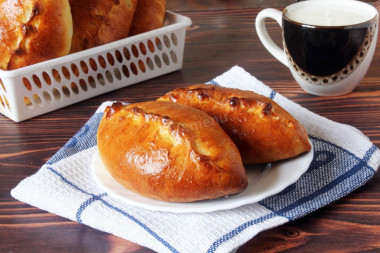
point(222, 35)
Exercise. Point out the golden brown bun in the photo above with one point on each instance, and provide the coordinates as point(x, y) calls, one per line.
point(170, 152)
point(97, 22)
point(33, 31)
point(149, 15)
point(261, 129)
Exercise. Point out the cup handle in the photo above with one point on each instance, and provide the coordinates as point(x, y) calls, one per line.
point(264, 36)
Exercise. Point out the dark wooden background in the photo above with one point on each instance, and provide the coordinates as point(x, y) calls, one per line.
point(222, 35)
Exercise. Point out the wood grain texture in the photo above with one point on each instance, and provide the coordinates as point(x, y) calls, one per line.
point(219, 38)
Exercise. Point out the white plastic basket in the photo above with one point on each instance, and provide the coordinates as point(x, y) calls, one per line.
point(40, 88)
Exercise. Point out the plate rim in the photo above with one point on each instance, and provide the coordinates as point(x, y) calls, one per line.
point(199, 206)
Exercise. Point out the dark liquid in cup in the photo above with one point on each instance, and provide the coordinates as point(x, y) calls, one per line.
point(322, 51)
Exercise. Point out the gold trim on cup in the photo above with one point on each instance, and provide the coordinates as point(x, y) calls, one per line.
point(342, 74)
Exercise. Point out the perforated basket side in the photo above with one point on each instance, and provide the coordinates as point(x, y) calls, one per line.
point(51, 85)
point(4, 101)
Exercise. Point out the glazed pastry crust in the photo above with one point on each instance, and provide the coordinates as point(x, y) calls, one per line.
point(97, 22)
point(169, 152)
point(261, 129)
point(149, 15)
point(33, 31)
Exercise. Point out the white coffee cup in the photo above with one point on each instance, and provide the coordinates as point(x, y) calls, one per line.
point(327, 45)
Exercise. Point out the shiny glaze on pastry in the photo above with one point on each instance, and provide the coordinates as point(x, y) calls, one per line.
point(169, 152)
point(149, 15)
point(261, 129)
point(97, 22)
point(33, 31)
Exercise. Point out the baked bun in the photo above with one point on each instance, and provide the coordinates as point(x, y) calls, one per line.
point(97, 22)
point(149, 15)
point(169, 152)
point(33, 31)
point(261, 129)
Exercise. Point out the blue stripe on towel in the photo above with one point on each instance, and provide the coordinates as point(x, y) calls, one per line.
point(238, 230)
point(272, 94)
point(328, 178)
point(160, 239)
point(86, 204)
point(100, 198)
point(84, 139)
point(280, 205)
point(213, 82)
point(369, 153)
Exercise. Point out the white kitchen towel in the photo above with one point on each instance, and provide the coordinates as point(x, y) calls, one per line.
point(344, 159)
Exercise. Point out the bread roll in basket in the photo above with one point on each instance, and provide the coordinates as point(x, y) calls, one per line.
point(33, 31)
point(97, 22)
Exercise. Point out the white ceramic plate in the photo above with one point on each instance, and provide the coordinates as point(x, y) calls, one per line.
point(262, 183)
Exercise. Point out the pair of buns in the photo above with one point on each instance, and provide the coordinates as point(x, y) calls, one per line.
point(39, 30)
point(97, 22)
point(174, 149)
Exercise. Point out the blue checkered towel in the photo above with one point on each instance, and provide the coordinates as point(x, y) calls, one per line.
point(344, 159)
